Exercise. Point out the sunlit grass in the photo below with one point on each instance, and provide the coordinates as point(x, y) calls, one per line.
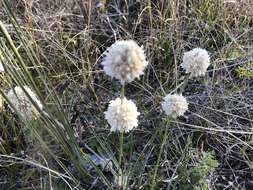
point(56, 50)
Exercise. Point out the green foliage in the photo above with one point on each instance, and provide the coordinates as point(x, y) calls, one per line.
point(59, 56)
point(194, 178)
point(245, 71)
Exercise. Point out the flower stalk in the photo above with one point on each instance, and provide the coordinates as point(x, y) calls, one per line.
point(185, 82)
point(121, 137)
point(165, 136)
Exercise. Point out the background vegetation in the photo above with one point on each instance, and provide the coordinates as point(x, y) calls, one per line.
point(55, 47)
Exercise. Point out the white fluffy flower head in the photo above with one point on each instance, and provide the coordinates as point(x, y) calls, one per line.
point(22, 103)
point(125, 61)
point(196, 62)
point(174, 105)
point(122, 115)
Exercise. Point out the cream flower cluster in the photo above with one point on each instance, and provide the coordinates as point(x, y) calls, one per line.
point(122, 115)
point(196, 62)
point(174, 105)
point(125, 61)
point(22, 103)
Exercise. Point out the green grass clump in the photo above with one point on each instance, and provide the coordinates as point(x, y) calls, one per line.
point(196, 176)
point(55, 48)
point(245, 71)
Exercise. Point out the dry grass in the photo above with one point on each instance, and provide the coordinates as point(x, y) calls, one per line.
point(68, 38)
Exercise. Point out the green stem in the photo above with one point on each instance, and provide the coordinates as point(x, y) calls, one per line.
point(165, 136)
point(186, 80)
point(122, 92)
point(121, 138)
